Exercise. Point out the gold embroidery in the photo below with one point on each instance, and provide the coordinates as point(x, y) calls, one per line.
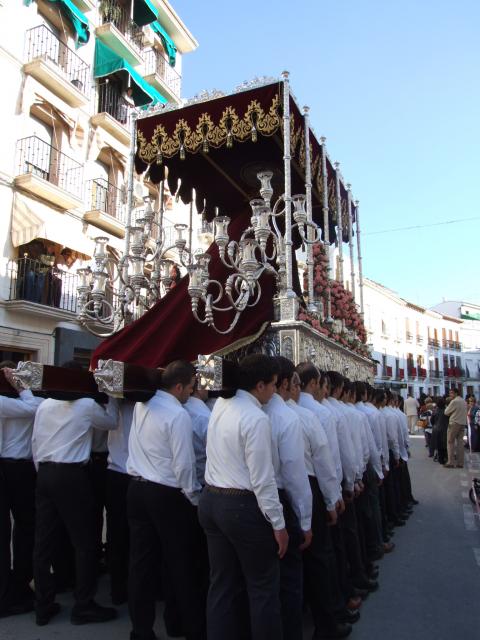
point(230, 127)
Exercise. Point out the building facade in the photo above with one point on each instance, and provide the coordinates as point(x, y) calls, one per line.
point(73, 71)
point(417, 350)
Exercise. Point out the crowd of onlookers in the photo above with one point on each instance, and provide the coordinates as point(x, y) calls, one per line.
point(445, 421)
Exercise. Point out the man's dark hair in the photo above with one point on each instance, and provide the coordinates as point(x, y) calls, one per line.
point(360, 390)
point(455, 391)
point(379, 396)
point(286, 369)
point(336, 380)
point(7, 364)
point(440, 402)
point(347, 386)
point(177, 372)
point(256, 368)
point(73, 364)
point(307, 371)
point(323, 377)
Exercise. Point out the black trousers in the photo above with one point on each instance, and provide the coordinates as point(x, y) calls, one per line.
point(161, 515)
point(291, 575)
point(372, 518)
point(322, 588)
point(243, 598)
point(348, 522)
point(17, 500)
point(118, 537)
point(64, 495)
point(98, 470)
point(391, 502)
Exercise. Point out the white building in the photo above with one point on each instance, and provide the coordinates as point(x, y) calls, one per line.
point(417, 349)
point(65, 111)
point(470, 338)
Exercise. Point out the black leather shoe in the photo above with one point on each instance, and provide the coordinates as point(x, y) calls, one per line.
point(92, 613)
point(349, 616)
point(43, 616)
point(369, 585)
point(340, 630)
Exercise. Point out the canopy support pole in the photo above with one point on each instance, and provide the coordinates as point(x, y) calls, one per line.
point(359, 255)
point(289, 301)
point(326, 230)
point(312, 307)
point(338, 202)
point(130, 172)
point(350, 240)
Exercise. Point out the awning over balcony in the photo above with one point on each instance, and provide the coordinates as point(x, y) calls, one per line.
point(32, 219)
point(144, 12)
point(167, 42)
point(108, 62)
point(76, 18)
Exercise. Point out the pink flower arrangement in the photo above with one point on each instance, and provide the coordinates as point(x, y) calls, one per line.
point(342, 305)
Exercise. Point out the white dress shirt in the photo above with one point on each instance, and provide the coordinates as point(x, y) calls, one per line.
point(118, 439)
point(402, 433)
point(239, 452)
point(392, 431)
point(327, 420)
point(372, 427)
point(382, 421)
point(16, 425)
point(100, 441)
point(63, 429)
point(160, 446)
point(318, 458)
point(200, 415)
point(345, 444)
point(288, 455)
point(351, 423)
point(373, 454)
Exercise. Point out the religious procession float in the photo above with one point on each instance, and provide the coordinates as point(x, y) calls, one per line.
point(249, 164)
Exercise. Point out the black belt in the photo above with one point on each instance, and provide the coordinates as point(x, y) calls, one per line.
point(63, 464)
point(228, 491)
point(16, 460)
point(155, 484)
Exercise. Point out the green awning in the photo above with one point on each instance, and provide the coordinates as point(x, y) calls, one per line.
point(76, 18)
point(144, 12)
point(167, 42)
point(108, 62)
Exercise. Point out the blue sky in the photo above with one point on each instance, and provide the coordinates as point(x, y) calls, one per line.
point(394, 85)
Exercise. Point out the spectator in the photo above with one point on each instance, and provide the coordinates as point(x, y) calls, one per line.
point(457, 412)
point(440, 427)
point(411, 411)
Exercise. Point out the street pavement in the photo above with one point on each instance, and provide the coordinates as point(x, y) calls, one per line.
point(429, 586)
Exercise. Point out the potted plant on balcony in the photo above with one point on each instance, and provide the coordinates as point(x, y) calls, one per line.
point(110, 11)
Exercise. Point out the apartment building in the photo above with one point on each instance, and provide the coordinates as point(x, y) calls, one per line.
point(416, 349)
point(72, 72)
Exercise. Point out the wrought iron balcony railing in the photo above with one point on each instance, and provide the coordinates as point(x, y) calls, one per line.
point(41, 159)
point(105, 197)
point(43, 43)
point(113, 12)
point(111, 101)
point(39, 282)
point(157, 62)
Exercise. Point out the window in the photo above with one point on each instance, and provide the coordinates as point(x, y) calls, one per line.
point(15, 356)
point(82, 356)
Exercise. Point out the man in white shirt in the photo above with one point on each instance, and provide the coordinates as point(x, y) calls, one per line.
point(240, 511)
point(295, 494)
point(411, 410)
point(391, 482)
point(61, 445)
point(118, 480)
point(350, 449)
point(199, 413)
point(161, 501)
point(17, 497)
point(340, 600)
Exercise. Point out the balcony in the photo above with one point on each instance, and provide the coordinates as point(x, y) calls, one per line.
point(161, 75)
point(113, 112)
point(412, 373)
point(119, 32)
point(386, 373)
point(435, 374)
point(409, 336)
point(44, 171)
point(400, 374)
point(105, 207)
point(433, 342)
point(205, 234)
point(419, 339)
point(422, 373)
point(34, 281)
point(57, 67)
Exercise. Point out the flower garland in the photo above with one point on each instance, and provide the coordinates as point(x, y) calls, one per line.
point(343, 307)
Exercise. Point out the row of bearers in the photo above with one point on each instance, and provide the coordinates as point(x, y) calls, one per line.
point(286, 493)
